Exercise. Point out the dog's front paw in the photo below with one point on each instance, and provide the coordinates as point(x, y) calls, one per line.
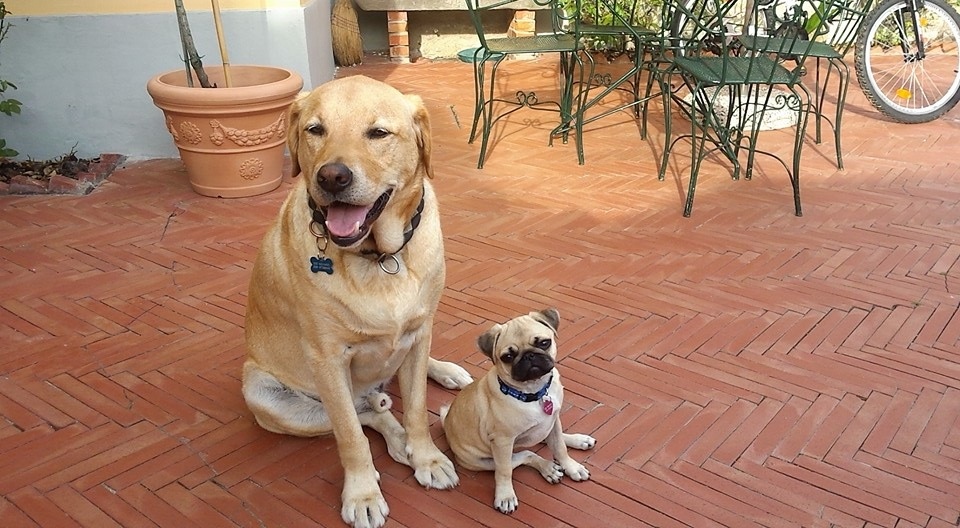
point(450, 375)
point(435, 471)
point(364, 509)
point(580, 441)
point(576, 471)
point(506, 502)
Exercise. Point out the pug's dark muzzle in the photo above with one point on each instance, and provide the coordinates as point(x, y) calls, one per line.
point(531, 365)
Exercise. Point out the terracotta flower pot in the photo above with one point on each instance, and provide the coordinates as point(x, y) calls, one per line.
point(231, 140)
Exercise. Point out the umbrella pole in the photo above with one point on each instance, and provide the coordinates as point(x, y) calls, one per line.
point(223, 45)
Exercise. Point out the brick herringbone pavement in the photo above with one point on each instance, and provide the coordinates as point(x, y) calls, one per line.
point(743, 367)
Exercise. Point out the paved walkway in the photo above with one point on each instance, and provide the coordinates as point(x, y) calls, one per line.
point(742, 367)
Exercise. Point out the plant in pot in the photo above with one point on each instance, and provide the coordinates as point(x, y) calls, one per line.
point(228, 122)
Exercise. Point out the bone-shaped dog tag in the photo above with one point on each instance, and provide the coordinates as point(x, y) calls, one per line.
point(546, 403)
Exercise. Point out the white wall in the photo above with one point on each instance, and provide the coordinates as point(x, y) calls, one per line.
point(82, 78)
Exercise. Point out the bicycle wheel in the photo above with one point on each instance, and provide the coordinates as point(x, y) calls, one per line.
point(903, 82)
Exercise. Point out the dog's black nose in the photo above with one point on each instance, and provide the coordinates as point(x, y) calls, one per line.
point(531, 365)
point(334, 177)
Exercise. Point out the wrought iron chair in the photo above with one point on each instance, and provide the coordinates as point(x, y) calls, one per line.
point(617, 27)
point(733, 79)
point(494, 50)
point(842, 21)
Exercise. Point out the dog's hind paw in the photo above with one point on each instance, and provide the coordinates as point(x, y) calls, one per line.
point(579, 441)
point(380, 401)
point(551, 472)
point(450, 375)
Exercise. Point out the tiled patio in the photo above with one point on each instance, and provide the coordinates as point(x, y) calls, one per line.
point(742, 367)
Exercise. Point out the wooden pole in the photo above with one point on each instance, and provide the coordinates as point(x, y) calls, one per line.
point(190, 55)
point(223, 45)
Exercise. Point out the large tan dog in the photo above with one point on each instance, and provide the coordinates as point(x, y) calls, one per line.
point(515, 405)
point(345, 287)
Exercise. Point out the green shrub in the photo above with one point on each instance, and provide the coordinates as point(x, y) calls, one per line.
point(644, 13)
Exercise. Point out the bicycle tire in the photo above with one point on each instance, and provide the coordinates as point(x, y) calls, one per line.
point(900, 84)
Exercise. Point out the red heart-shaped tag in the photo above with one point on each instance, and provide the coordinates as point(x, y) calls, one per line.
point(547, 405)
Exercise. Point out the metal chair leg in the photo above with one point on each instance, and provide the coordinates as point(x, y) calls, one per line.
point(843, 72)
point(487, 110)
point(804, 112)
point(478, 94)
point(663, 79)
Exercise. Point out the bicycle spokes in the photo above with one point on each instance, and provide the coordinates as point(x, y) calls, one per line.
point(908, 59)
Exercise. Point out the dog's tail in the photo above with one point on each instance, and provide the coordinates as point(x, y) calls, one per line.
point(443, 413)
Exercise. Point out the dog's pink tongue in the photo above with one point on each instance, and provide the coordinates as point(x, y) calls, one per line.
point(344, 220)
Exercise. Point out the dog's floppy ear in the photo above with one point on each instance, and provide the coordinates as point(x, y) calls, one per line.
point(488, 339)
point(549, 317)
point(293, 131)
point(421, 123)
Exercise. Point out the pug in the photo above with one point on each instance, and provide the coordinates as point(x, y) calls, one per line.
point(515, 405)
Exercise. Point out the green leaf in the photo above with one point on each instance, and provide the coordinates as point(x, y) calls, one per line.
point(10, 106)
point(6, 152)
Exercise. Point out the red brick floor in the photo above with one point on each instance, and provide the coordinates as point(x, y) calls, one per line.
point(742, 367)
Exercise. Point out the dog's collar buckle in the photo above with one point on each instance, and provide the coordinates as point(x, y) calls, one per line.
point(546, 402)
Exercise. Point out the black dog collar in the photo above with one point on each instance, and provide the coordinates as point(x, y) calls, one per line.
point(318, 229)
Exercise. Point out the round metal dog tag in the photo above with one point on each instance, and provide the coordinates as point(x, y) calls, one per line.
point(390, 264)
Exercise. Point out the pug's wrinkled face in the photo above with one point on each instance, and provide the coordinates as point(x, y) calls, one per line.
point(524, 348)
